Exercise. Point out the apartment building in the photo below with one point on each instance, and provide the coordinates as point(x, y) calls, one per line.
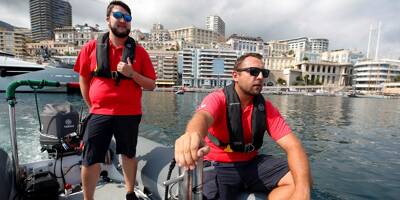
point(369, 76)
point(216, 24)
point(194, 35)
point(207, 67)
point(165, 65)
point(77, 35)
point(245, 43)
point(342, 56)
point(12, 42)
point(46, 15)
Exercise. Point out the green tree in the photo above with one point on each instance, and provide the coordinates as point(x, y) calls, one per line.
point(397, 78)
point(281, 81)
point(306, 79)
point(317, 82)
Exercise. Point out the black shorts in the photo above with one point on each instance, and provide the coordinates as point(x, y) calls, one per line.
point(99, 132)
point(228, 180)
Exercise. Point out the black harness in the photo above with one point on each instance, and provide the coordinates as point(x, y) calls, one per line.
point(234, 123)
point(102, 57)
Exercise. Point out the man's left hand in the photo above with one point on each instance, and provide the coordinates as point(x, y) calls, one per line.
point(126, 69)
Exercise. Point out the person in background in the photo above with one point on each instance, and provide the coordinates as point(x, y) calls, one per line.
point(113, 70)
point(228, 130)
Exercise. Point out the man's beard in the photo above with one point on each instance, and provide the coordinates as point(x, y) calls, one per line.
point(120, 34)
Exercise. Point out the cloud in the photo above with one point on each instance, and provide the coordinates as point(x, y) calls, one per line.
point(344, 22)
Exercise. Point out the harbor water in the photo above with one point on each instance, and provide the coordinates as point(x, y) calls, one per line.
point(353, 143)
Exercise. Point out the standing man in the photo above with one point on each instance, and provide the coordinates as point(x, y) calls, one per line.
point(232, 123)
point(113, 70)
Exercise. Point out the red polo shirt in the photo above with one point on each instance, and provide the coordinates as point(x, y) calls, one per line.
point(106, 97)
point(215, 104)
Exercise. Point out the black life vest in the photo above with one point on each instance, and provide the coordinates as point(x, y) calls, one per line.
point(234, 123)
point(102, 57)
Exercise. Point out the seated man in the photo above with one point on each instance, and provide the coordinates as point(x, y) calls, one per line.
point(228, 129)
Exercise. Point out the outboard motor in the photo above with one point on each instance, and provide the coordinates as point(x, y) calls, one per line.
point(59, 130)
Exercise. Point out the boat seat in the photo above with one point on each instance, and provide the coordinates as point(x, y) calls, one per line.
point(7, 190)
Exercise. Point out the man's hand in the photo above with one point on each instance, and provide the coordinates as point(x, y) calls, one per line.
point(126, 69)
point(188, 149)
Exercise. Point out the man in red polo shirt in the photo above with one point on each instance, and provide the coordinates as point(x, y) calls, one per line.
point(113, 70)
point(230, 125)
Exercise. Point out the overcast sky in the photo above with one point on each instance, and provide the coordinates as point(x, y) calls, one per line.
point(344, 22)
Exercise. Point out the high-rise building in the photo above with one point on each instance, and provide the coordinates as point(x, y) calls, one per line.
point(245, 43)
point(46, 15)
point(216, 24)
point(315, 45)
point(207, 68)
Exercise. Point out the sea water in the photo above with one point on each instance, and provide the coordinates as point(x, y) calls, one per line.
point(353, 144)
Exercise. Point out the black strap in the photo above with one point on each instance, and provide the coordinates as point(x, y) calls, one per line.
point(102, 57)
point(234, 122)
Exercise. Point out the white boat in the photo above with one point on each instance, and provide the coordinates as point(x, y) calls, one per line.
point(60, 173)
point(10, 66)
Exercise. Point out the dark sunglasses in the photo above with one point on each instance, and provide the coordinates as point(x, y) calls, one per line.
point(119, 15)
point(255, 71)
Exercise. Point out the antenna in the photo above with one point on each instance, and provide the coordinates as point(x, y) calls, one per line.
point(369, 40)
point(377, 40)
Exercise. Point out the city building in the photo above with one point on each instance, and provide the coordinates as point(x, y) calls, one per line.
point(51, 48)
point(165, 65)
point(206, 68)
point(170, 45)
point(159, 34)
point(245, 43)
point(77, 35)
point(280, 63)
point(370, 75)
point(12, 42)
point(319, 45)
point(305, 44)
point(277, 48)
point(194, 35)
point(216, 24)
point(391, 88)
point(342, 56)
point(137, 35)
point(46, 15)
point(325, 73)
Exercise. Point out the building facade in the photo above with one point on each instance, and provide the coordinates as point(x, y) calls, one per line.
point(370, 75)
point(77, 35)
point(316, 45)
point(244, 43)
point(46, 15)
point(12, 42)
point(342, 56)
point(326, 73)
point(159, 34)
point(194, 35)
point(206, 68)
point(165, 65)
point(216, 24)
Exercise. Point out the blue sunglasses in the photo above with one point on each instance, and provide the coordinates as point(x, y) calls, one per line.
point(119, 15)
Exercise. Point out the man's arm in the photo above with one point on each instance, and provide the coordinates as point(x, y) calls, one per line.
point(298, 164)
point(84, 84)
point(127, 70)
point(189, 147)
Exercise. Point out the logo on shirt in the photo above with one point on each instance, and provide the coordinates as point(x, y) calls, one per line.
point(203, 105)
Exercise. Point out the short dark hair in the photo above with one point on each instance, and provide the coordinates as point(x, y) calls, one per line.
point(117, 3)
point(241, 59)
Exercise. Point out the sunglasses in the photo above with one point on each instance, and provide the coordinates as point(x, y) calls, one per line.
point(255, 71)
point(119, 15)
